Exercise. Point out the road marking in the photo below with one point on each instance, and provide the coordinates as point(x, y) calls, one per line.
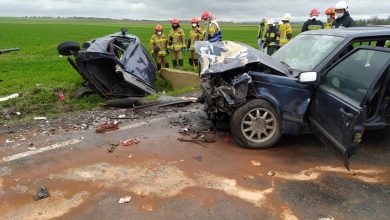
point(76, 141)
point(40, 150)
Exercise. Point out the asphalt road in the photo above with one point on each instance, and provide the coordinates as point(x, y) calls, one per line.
point(168, 179)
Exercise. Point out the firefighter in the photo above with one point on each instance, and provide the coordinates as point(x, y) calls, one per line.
point(213, 31)
point(330, 16)
point(313, 23)
point(158, 46)
point(271, 37)
point(261, 32)
point(196, 34)
point(343, 18)
point(285, 30)
point(177, 43)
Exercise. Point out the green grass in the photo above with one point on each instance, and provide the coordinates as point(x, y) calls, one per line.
point(38, 73)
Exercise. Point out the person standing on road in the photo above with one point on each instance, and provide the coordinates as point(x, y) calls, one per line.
point(158, 46)
point(285, 30)
point(330, 15)
point(213, 31)
point(177, 43)
point(196, 34)
point(271, 37)
point(313, 23)
point(343, 18)
point(261, 33)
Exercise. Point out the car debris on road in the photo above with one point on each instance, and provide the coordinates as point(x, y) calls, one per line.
point(124, 200)
point(41, 194)
point(107, 126)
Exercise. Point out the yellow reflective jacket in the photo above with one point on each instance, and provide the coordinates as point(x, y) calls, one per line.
point(328, 24)
point(196, 34)
point(160, 42)
point(285, 34)
point(261, 32)
point(177, 39)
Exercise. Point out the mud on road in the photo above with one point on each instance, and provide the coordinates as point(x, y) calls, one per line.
point(298, 179)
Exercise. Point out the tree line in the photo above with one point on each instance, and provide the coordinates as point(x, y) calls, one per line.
point(373, 21)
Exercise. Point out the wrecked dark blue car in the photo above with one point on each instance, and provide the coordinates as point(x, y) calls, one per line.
point(113, 66)
point(326, 80)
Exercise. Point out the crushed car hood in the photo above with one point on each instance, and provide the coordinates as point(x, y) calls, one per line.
point(223, 56)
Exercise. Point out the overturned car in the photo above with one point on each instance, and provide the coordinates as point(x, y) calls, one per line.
point(114, 66)
point(325, 80)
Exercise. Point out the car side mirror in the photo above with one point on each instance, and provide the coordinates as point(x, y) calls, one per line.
point(308, 77)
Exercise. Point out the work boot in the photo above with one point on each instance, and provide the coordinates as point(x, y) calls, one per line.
point(191, 61)
point(181, 64)
point(167, 65)
point(196, 62)
point(158, 66)
point(174, 62)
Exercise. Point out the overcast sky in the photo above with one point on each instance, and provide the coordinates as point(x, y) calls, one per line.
point(235, 10)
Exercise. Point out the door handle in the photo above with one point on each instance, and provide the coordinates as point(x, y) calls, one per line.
point(345, 114)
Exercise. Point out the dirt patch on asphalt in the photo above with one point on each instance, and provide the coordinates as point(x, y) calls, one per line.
point(54, 206)
point(159, 179)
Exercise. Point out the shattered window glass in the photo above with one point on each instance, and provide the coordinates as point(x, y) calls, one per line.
point(305, 52)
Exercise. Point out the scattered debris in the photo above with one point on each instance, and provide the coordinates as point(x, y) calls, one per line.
point(40, 118)
point(327, 218)
point(41, 194)
point(170, 162)
point(249, 177)
point(107, 126)
point(227, 138)
point(255, 163)
point(130, 156)
point(32, 148)
point(192, 140)
point(6, 98)
point(307, 173)
point(124, 200)
point(112, 148)
point(130, 141)
point(8, 141)
point(122, 116)
point(17, 179)
point(61, 96)
point(198, 158)
point(271, 173)
point(189, 98)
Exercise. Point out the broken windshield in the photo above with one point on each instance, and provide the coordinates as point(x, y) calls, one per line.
point(305, 52)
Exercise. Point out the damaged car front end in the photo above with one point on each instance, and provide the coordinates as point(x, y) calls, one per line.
point(258, 96)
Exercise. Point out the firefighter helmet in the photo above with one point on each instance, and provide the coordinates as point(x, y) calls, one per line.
point(270, 21)
point(175, 21)
point(286, 17)
point(314, 13)
point(330, 11)
point(159, 27)
point(206, 14)
point(195, 20)
point(341, 5)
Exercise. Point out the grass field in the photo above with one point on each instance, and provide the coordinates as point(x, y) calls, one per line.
point(38, 73)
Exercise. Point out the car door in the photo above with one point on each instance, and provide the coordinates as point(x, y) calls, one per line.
point(338, 108)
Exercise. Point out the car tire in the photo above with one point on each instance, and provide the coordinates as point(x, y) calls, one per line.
point(83, 91)
point(68, 48)
point(256, 124)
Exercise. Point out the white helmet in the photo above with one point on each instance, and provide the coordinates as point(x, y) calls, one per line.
point(270, 21)
point(286, 17)
point(341, 5)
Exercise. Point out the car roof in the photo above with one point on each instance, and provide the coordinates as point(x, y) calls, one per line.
point(353, 31)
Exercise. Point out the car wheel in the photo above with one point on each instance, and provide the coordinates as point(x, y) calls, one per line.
point(83, 91)
point(68, 48)
point(256, 124)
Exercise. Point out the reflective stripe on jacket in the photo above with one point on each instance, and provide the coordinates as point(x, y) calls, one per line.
point(272, 36)
point(159, 41)
point(262, 31)
point(196, 34)
point(177, 39)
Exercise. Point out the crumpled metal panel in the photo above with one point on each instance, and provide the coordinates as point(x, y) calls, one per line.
point(236, 93)
point(223, 56)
